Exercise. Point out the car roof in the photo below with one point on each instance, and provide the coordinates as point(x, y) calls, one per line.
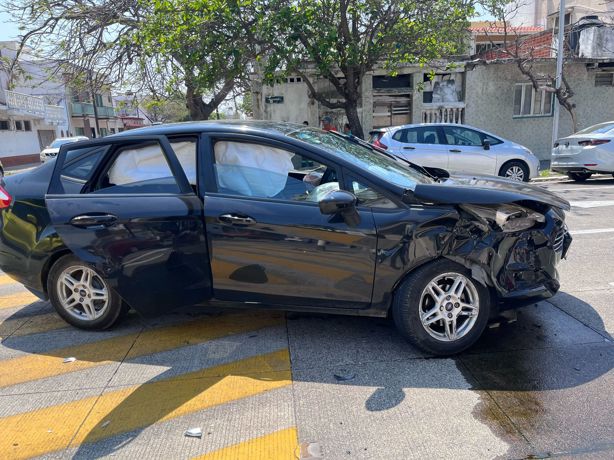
point(277, 129)
point(417, 125)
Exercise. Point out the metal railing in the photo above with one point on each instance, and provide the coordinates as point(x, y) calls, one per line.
point(87, 108)
point(26, 104)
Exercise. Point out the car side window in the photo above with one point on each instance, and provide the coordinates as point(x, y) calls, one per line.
point(79, 167)
point(407, 136)
point(427, 135)
point(140, 168)
point(262, 171)
point(456, 135)
point(368, 196)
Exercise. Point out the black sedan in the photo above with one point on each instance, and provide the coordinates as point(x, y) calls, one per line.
point(248, 214)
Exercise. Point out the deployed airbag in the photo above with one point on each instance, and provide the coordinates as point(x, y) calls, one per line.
point(252, 169)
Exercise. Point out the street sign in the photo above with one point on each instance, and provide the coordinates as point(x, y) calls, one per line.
point(274, 99)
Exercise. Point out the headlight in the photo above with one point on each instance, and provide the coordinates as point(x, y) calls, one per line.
point(508, 217)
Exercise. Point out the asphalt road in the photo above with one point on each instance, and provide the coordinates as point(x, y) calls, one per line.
point(266, 385)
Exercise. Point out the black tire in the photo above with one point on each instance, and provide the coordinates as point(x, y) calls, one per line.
point(513, 169)
point(406, 309)
point(114, 309)
point(579, 176)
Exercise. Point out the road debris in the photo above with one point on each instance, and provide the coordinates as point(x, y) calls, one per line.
point(344, 376)
point(194, 433)
point(71, 359)
point(308, 450)
point(105, 424)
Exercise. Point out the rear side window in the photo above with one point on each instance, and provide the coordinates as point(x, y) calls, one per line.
point(137, 169)
point(79, 167)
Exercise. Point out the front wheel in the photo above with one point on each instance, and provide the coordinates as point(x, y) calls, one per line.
point(515, 170)
point(441, 309)
point(579, 176)
point(81, 296)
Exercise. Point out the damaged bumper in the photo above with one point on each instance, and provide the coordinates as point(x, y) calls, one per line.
point(521, 267)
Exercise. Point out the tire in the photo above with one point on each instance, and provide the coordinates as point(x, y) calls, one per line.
point(580, 176)
point(515, 170)
point(413, 298)
point(82, 308)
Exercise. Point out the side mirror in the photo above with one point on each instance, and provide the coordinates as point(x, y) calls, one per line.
point(337, 201)
point(486, 144)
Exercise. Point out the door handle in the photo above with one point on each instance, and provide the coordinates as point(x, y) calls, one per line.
point(455, 151)
point(236, 219)
point(94, 221)
point(409, 148)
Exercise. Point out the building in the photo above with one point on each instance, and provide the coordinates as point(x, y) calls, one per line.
point(544, 13)
point(129, 112)
point(93, 114)
point(488, 92)
point(33, 106)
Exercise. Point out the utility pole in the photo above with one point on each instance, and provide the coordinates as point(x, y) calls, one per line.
point(559, 72)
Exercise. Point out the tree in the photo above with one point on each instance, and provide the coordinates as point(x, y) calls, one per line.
point(345, 39)
point(527, 53)
point(197, 47)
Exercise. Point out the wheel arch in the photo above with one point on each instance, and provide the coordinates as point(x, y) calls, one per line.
point(514, 160)
point(57, 255)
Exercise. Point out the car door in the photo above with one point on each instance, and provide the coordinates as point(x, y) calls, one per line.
point(422, 145)
point(125, 206)
point(269, 242)
point(467, 152)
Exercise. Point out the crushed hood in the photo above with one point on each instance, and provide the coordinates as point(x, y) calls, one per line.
point(485, 190)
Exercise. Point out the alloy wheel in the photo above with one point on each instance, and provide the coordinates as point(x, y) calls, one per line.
point(515, 173)
point(449, 307)
point(82, 292)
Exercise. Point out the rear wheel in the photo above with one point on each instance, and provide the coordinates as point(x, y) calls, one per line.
point(441, 309)
point(579, 176)
point(81, 296)
point(515, 170)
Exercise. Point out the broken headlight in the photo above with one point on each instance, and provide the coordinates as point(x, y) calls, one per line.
point(508, 217)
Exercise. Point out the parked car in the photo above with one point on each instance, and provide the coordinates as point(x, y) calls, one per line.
point(52, 150)
point(253, 214)
point(458, 148)
point(587, 152)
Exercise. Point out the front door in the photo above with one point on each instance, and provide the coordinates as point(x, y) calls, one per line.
point(125, 206)
point(467, 153)
point(269, 242)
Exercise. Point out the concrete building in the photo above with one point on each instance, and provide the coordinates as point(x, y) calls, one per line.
point(33, 108)
point(93, 121)
point(544, 13)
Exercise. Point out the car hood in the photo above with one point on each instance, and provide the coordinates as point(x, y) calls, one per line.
point(51, 151)
point(485, 190)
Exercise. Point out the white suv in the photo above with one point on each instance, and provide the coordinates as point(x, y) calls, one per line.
point(458, 148)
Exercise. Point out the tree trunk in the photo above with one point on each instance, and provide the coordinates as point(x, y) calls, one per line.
point(196, 106)
point(351, 112)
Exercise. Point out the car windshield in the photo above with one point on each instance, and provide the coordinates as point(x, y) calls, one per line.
point(59, 142)
point(600, 128)
point(379, 164)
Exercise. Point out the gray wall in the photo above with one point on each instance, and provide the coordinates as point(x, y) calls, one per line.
point(490, 104)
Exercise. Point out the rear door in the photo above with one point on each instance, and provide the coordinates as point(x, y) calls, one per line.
point(125, 206)
point(467, 152)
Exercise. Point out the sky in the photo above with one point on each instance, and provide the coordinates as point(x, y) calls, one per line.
point(8, 29)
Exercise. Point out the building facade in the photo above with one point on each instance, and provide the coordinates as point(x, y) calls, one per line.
point(33, 106)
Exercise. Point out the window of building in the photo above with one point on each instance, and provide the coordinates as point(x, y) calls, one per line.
point(604, 79)
point(4, 125)
point(529, 102)
point(103, 132)
point(483, 47)
point(18, 125)
point(27, 125)
point(80, 131)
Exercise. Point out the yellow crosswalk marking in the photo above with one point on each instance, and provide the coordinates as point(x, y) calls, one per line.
point(31, 325)
point(17, 300)
point(280, 445)
point(38, 366)
point(52, 428)
point(6, 279)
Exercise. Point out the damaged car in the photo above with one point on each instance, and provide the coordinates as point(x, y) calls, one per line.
point(277, 215)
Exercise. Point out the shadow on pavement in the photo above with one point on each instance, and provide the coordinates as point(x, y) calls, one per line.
point(519, 363)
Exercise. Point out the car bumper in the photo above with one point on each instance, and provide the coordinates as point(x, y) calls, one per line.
point(589, 159)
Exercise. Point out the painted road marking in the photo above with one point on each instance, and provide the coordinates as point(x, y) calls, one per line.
point(280, 445)
point(578, 189)
point(38, 366)
point(17, 300)
point(6, 279)
point(52, 428)
point(18, 327)
point(591, 204)
point(592, 231)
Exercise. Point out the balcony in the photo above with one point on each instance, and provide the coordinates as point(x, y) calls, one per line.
point(447, 112)
point(26, 104)
point(79, 109)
